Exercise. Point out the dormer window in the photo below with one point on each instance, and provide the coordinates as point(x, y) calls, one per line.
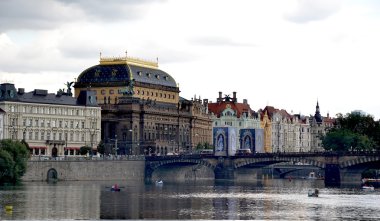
point(166, 78)
point(157, 76)
point(139, 73)
point(148, 75)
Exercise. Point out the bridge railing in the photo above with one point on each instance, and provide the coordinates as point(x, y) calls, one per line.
point(87, 158)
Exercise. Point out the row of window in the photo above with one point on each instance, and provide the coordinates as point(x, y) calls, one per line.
point(47, 135)
point(51, 110)
point(53, 123)
point(142, 92)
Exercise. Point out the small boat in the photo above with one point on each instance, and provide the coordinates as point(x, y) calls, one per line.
point(312, 193)
point(368, 188)
point(159, 182)
point(8, 208)
point(115, 188)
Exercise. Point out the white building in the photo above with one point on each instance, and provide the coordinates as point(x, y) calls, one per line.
point(52, 124)
point(289, 133)
point(228, 112)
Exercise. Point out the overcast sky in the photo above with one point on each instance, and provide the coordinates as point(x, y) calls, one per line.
point(283, 53)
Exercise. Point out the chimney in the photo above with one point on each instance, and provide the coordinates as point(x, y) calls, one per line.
point(205, 101)
point(245, 101)
point(220, 97)
point(21, 90)
point(234, 97)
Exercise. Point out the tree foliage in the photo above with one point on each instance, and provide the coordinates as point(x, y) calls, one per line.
point(353, 132)
point(101, 147)
point(13, 158)
point(84, 150)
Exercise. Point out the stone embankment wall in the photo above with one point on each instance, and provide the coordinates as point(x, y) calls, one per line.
point(71, 170)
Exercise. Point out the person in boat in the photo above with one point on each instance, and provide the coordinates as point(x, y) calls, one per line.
point(115, 187)
point(314, 194)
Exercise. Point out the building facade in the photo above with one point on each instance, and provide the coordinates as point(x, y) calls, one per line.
point(228, 112)
point(52, 124)
point(285, 132)
point(142, 112)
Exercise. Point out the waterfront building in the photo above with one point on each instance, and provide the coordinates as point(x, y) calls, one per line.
point(2, 113)
point(284, 132)
point(142, 112)
point(52, 124)
point(228, 112)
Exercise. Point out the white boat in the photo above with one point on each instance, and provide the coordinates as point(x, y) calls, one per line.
point(368, 188)
point(159, 182)
point(312, 193)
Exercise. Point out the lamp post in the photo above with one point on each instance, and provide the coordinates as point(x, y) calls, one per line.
point(115, 145)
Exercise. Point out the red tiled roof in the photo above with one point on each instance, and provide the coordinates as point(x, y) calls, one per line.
point(239, 108)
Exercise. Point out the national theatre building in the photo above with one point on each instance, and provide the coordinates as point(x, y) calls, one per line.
point(142, 112)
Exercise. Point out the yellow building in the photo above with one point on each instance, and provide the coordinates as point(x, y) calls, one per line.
point(142, 112)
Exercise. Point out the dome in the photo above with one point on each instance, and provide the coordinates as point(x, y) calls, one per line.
point(119, 71)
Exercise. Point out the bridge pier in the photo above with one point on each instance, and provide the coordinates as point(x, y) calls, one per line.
point(336, 176)
point(332, 175)
point(224, 169)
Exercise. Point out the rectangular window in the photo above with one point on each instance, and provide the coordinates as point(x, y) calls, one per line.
point(48, 123)
point(60, 136)
point(24, 122)
point(42, 135)
point(48, 136)
point(53, 137)
point(42, 123)
point(36, 135)
point(30, 135)
point(36, 122)
point(82, 124)
point(60, 124)
point(71, 124)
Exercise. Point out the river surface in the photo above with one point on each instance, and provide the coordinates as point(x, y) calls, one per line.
point(277, 199)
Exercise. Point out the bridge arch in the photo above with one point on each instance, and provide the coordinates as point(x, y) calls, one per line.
point(151, 166)
point(52, 175)
point(359, 161)
point(268, 161)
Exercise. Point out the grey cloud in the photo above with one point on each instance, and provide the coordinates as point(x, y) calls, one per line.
point(219, 41)
point(311, 10)
point(48, 14)
point(33, 14)
point(112, 9)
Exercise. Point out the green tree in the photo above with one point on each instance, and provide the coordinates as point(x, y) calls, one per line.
point(199, 146)
point(84, 150)
point(206, 145)
point(101, 147)
point(13, 158)
point(346, 140)
point(354, 131)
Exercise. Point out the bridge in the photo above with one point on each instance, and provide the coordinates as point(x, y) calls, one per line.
point(340, 167)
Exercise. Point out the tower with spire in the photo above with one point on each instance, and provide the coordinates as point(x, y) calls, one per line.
point(317, 130)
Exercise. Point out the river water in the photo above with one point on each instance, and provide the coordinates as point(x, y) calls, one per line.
point(277, 199)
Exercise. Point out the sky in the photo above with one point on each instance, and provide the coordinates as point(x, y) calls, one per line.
point(282, 53)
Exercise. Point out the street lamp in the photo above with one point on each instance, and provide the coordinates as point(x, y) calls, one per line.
point(115, 145)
